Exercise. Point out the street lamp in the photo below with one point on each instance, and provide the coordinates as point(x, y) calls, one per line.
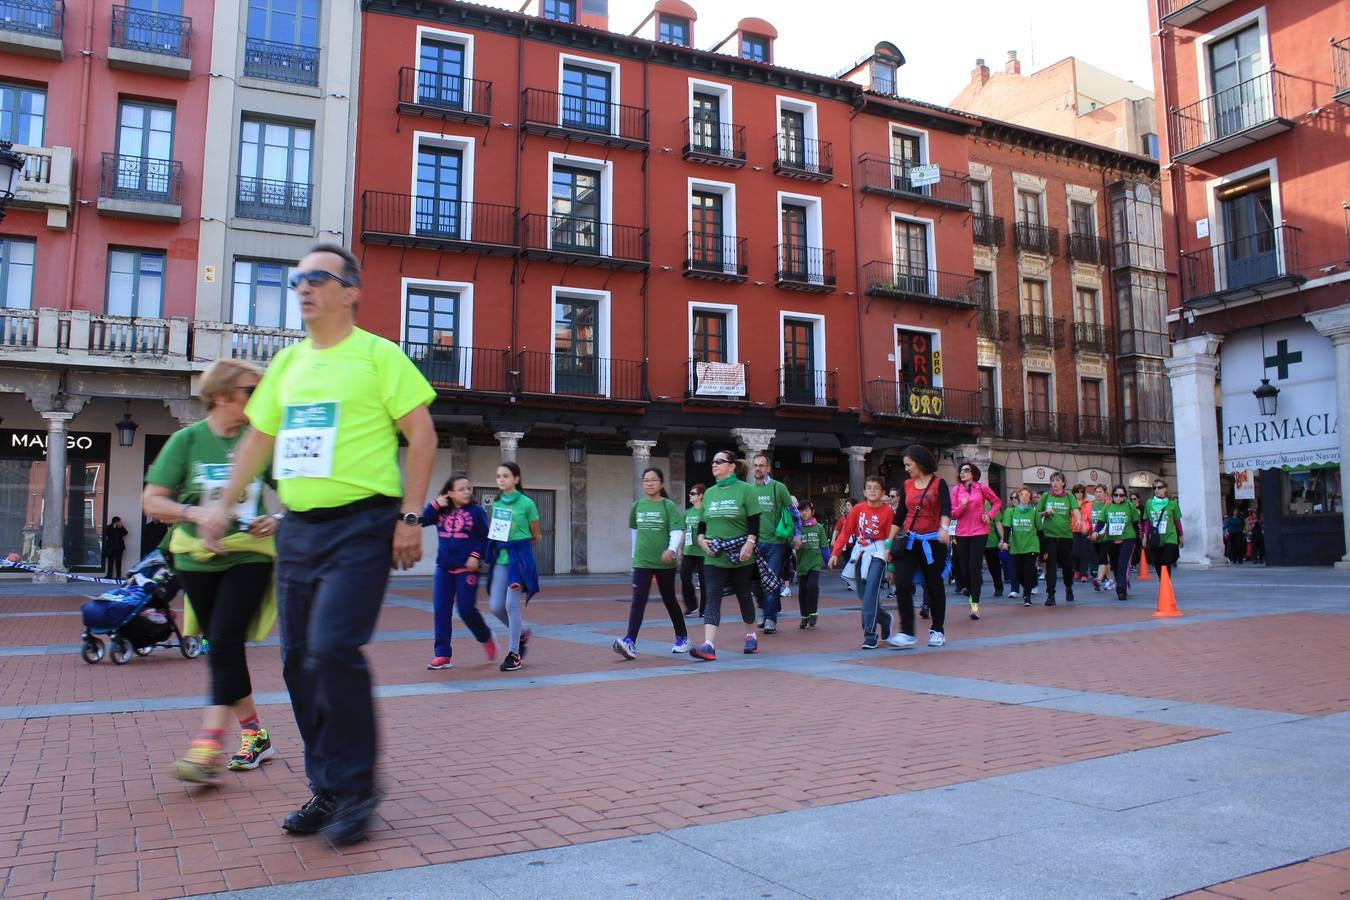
point(576, 451)
point(1267, 397)
point(126, 428)
point(699, 451)
point(11, 167)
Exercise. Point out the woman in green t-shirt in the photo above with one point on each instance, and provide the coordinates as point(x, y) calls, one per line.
point(1162, 524)
point(226, 591)
point(810, 560)
point(657, 528)
point(691, 555)
point(1022, 540)
point(730, 518)
point(1117, 528)
point(513, 528)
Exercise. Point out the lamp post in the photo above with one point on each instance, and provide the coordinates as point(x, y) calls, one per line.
point(1267, 397)
point(11, 167)
point(576, 450)
point(126, 428)
point(699, 451)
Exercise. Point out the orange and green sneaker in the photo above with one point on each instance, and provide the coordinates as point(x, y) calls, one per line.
point(255, 746)
point(201, 764)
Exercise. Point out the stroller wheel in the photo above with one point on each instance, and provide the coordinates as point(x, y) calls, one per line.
point(145, 651)
point(92, 651)
point(191, 646)
point(120, 651)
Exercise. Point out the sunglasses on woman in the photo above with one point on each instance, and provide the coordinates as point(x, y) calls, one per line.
point(316, 278)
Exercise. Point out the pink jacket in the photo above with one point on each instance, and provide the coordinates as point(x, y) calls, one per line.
point(968, 505)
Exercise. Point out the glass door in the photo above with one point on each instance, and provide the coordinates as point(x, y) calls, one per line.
point(575, 224)
point(911, 257)
point(438, 185)
point(585, 100)
point(792, 138)
point(794, 262)
point(706, 125)
point(905, 156)
point(708, 251)
point(440, 75)
point(575, 366)
point(1250, 255)
point(144, 148)
point(799, 363)
point(1239, 102)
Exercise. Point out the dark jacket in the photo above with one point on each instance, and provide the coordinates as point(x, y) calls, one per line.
point(461, 533)
point(520, 566)
point(114, 539)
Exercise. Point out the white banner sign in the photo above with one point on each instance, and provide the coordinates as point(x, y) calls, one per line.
point(1303, 431)
point(922, 176)
point(1244, 485)
point(719, 379)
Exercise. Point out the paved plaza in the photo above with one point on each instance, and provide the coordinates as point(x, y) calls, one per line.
point(1087, 750)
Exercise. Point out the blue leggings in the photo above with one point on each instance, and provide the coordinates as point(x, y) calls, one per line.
point(456, 591)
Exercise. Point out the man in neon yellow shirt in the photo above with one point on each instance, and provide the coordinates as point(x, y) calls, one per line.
point(327, 413)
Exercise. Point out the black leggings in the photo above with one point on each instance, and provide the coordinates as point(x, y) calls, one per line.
point(995, 564)
point(969, 563)
point(809, 595)
point(740, 579)
point(642, 589)
point(1024, 572)
point(688, 566)
point(1058, 555)
point(225, 603)
point(907, 562)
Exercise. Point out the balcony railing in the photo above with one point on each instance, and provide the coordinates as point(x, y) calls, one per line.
point(593, 121)
point(272, 201)
point(885, 279)
point(1340, 69)
point(1237, 268)
point(714, 143)
point(18, 328)
point(1183, 12)
point(1147, 433)
point(717, 257)
point(164, 34)
point(894, 177)
point(817, 388)
point(121, 334)
point(45, 181)
point(585, 241)
point(1036, 238)
point(938, 405)
point(1136, 342)
point(803, 158)
point(993, 324)
point(802, 268)
point(40, 18)
point(424, 92)
point(1090, 337)
point(570, 375)
point(277, 61)
point(452, 368)
point(140, 178)
point(988, 230)
point(1042, 331)
point(1042, 425)
point(709, 382)
point(1235, 117)
point(1096, 430)
point(431, 223)
point(1085, 248)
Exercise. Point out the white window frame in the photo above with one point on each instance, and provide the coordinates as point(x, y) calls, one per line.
point(289, 298)
point(733, 337)
point(602, 344)
point(817, 349)
point(466, 147)
point(930, 247)
point(728, 191)
point(1217, 235)
point(1205, 77)
point(1019, 189)
point(810, 123)
point(463, 322)
point(603, 65)
point(724, 94)
point(908, 131)
point(464, 39)
point(815, 269)
point(934, 343)
point(606, 169)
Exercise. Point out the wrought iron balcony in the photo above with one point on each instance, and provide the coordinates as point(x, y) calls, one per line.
point(895, 178)
point(452, 368)
point(715, 257)
point(584, 241)
point(436, 95)
point(885, 279)
point(580, 376)
point(993, 324)
point(1096, 430)
point(272, 201)
point(899, 399)
point(1340, 69)
point(140, 187)
point(1085, 248)
point(36, 18)
point(814, 388)
point(1232, 118)
point(277, 61)
point(404, 220)
point(1242, 267)
point(1183, 12)
point(1090, 337)
point(1043, 425)
point(1042, 331)
point(714, 143)
point(591, 121)
point(802, 268)
point(163, 34)
point(987, 230)
point(717, 383)
point(1148, 434)
point(805, 159)
point(1036, 238)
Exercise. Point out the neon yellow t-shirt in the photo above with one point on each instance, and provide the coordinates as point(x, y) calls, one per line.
point(332, 413)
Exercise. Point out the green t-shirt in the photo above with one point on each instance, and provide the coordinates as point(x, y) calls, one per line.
point(993, 532)
point(332, 412)
point(195, 465)
point(727, 509)
point(809, 557)
point(1120, 521)
point(654, 521)
point(1059, 524)
point(1021, 529)
point(509, 520)
point(773, 498)
point(692, 516)
point(1163, 514)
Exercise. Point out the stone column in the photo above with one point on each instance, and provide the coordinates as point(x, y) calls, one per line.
point(642, 458)
point(1191, 370)
point(753, 440)
point(576, 496)
point(510, 443)
point(459, 454)
point(675, 478)
point(857, 470)
point(52, 555)
point(1335, 325)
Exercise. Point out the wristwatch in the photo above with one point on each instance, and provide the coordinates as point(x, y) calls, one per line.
point(410, 518)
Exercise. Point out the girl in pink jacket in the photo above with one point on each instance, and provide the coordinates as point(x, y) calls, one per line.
point(974, 507)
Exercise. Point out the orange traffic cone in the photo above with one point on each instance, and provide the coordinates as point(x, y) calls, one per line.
point(1143, 565)
point(1167, 601)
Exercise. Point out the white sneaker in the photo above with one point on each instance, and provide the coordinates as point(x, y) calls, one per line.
point(936, 639)
point(900, 641)
point(785, 591)
point(681, 645)
point(1108, 584)
point(1035, 591)
point(625, 648)
point(1013, 595)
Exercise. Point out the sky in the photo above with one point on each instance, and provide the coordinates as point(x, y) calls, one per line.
point(940, 41)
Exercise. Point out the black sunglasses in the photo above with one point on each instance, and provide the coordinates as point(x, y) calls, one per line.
point(1118, 494)
point(721, 461)
point(316, 278)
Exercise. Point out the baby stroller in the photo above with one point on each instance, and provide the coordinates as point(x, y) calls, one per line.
point(137, 616)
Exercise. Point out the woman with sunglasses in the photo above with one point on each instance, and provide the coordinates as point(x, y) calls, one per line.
point(922, 545)
point(974, 507)
point(727, 535)
point(658, 530)
point(1120, 519)
point(692, 556)
point(1101, 547)
point(1162, 527)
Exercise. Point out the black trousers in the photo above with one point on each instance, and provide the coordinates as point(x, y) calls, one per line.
point(642, 589)
point(225, 603)
point(970, 564)
point(1058, 557)
point(114, 561)
point(995, 564)
point(740, 578)
point(1024, 571)
point(690, 565)
point(907, 562)
point(809, 591)
point(1167, 556)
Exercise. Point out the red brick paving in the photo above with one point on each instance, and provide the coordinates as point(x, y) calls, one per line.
point(1316, 878)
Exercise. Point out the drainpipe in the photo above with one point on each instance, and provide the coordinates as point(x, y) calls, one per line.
point(80, 163)
point(646, 226)
point(853, 195)
point(520, 220)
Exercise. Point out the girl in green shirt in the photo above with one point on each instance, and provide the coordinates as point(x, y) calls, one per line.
point(1022, 540)
point(810, 560)
point(1117, 528)
point(657, 527)
point(513, 519)
point(691, 555)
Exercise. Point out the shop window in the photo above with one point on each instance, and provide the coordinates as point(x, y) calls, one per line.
point(1313, 492)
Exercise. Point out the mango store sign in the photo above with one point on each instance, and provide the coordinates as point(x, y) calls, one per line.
point(1303, 432)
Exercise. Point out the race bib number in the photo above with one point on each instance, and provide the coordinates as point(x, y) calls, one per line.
point(500, 529)
point(689, 537)
point(304, 448)
point(951, 528)
point(212, 479)
point(1115, 524)
point(1162, 525)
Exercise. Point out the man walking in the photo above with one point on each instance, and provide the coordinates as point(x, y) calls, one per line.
point(774, 500)
point(327, 414)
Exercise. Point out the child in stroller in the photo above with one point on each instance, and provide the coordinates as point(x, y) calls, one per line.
point(137, 616)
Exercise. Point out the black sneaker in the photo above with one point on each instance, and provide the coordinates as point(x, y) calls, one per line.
point(511, 662)
point(1068, 596)
point(313, 816)
point(884, 623)
point(869, 643)
point(923, 611)
point(347, 825)
point(1026, 602)
point(814, 617)
point(804, 622)
point(1049, 601)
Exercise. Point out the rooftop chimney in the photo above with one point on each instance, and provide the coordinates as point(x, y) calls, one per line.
point(1012, 66)
point(979, 76)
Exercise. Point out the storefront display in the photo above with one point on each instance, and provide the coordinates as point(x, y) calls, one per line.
point(23, 482)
